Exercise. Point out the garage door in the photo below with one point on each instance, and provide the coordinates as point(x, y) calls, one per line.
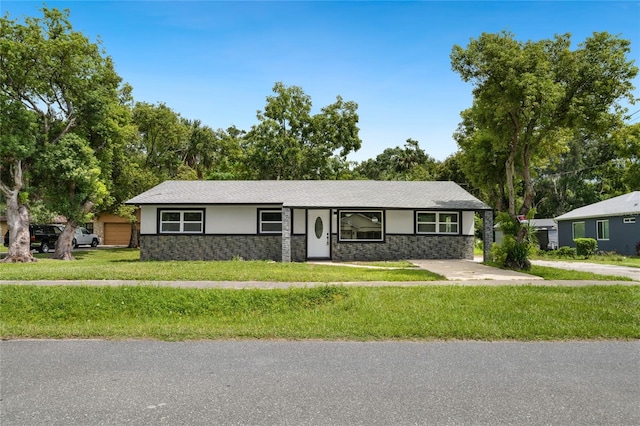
point(117, 233)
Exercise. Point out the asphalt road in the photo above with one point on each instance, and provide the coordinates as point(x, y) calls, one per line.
point(95, 382)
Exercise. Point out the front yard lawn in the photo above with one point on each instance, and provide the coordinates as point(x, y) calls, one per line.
point(125, 264)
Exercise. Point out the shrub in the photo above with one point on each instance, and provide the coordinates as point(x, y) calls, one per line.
point(586, 247)
point(638, 248)
point(512, 254)
point(566, 251)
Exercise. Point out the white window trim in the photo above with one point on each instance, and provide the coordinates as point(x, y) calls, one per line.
point(438, 222)
point(361, 240)
point(629, 220)
point(597, 230)
point(261, 221)
point(181, 221)
point(573, 230)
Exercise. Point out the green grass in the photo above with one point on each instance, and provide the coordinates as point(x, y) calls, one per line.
point(523, 313)
point(607, 259)
point(550, 273)
point(115, 264)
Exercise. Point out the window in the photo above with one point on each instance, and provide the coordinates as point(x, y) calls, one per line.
point(629, 220)
point(361, 225)
point(437, 222)
point(181, 221)
point(270, 221)
point(602, 229)
point(578, 230)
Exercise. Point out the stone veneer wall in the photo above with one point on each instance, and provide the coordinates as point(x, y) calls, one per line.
point(269, 247)
point(210, 247)
point(398, 247)
point(298, 248)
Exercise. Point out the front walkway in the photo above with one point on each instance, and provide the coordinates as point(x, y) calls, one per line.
point(468, 270)
point(596, 268)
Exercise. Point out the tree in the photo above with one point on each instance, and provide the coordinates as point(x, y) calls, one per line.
point(65, 81)
point(531, 99)
point(291, 143)
point(18, 129)
point(400, 163)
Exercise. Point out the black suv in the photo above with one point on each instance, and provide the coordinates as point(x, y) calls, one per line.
point(43, 237)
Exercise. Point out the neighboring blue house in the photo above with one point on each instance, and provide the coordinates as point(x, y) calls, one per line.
point(614, 223)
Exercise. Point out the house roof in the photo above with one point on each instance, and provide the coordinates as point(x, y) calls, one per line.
point(622, 205)
point(543, 223)
point(314, 193)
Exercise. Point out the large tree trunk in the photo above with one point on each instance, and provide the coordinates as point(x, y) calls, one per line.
point(19, 236)
point(18, 221)
point(64, 245)
point(134, 241)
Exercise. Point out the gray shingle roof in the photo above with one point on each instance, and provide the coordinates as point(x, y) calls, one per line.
point(627, 204)
point(314, 193)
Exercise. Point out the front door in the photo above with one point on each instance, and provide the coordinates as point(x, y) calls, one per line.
point(319, 234)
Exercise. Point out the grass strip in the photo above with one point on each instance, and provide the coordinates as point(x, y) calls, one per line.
point(125, 264)
point(551, 273)
point(524, 313)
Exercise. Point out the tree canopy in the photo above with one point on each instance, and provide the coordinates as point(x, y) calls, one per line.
point(530, 100)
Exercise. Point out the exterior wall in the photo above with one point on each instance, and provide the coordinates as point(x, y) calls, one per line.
point(231, 232)
point(468, 223)
point(399, 221)
point(623, 237)
point(210, 247)
point(299, 221)
point(398, 247)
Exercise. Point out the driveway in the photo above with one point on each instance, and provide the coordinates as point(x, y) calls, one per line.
point(470, 270)
point(596, 268)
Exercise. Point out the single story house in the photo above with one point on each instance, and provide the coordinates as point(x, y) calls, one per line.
point(546, 232)
point(301, 220)
point(614, 223)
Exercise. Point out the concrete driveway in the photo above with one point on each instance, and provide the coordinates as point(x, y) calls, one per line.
point(469, 270)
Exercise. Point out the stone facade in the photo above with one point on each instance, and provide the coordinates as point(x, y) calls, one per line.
point(398, 247)
point(487, 233)
point(269, 247)
point(210, 247)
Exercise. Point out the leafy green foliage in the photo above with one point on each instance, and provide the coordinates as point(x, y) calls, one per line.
point(408, 163)
point(290, 143)
point(530, 101)
point(586, 247)
point(567, 252)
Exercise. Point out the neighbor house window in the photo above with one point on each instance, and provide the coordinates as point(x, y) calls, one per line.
point(578, 230)
point(270, 221)
point(437, 222)
point(361, 225)
point(629, 220)
point(181, 221)
point(602, 229)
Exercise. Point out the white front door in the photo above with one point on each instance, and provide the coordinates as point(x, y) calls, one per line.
point(319, 234)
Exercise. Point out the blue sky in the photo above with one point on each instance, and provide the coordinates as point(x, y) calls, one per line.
point(218, 61)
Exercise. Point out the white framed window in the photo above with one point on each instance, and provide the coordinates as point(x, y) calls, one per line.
point(361, 225)
point(629, 220)
point(437, 222)
point(181, 221)
point(602, 229)
point(270, 221)
point(578, 229)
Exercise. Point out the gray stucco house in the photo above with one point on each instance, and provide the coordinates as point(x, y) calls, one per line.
point(614, 223)
point(302, 220)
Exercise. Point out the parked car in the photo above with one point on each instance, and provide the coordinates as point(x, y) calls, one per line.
point(43, 237)
point(85, 238)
